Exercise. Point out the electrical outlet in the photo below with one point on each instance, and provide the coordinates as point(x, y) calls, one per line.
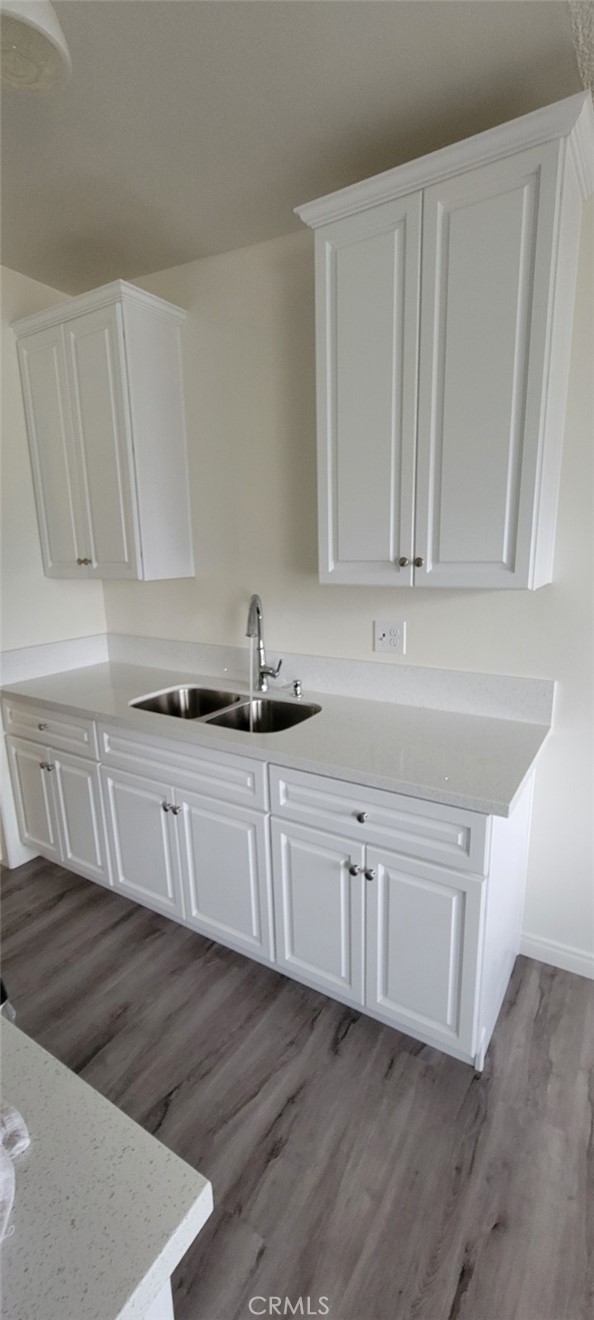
point(390, 636)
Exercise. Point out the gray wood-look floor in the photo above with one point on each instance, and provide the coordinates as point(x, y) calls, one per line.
point(348, 1161)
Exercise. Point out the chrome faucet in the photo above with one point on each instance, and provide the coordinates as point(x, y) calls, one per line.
point(255, 622)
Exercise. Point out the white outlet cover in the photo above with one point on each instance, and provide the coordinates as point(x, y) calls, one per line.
point(389, 635)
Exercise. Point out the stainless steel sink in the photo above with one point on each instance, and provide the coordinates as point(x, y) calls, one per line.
point(189, 703)
point(265, 716)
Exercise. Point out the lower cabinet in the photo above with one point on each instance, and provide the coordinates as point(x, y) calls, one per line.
point(226, 872)
point(143, 840)
point(423, 940)
point(411, 913)
point(34, 797)
point(202, 861)
point(398, 937)
point(319, 909)
point(58, 802)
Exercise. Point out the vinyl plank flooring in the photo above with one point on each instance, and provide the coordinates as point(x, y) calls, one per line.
point(348, 1161)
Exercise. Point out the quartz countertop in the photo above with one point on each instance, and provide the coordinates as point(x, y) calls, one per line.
point(103, 1212)
point(471, 761)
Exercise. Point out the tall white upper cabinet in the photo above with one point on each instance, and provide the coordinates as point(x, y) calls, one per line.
point(444, 305)
point(103, 394)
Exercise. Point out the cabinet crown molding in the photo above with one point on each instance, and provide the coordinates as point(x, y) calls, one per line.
point(572, 118)
point(117, 291)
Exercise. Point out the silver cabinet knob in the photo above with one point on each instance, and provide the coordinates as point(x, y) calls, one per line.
point(418, 562)
point(49, 766)
point(403, 562)
point(361, 817)
point(166, 806)
point(370, 873)
point(42, 726)
point(87, 561)
point(42, 765)
point(175, 810)
point(355, 870)
point(80, 562)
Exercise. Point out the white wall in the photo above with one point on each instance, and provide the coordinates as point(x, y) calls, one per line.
point(33, 608)
point(249, 348)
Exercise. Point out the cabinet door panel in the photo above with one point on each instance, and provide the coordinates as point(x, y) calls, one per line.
point(97, 373)
point(367, 295)
point(225, 871)
point(487, 243)
point(53, 462)
point(78, 791)
point(319, 909)
point(34, 793)
point(423, 928)
point(142, 840)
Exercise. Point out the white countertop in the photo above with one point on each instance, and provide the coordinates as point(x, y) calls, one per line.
point(470, 761)
point(103, 1212)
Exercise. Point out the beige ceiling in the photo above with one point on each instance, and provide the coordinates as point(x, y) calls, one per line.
point(195, 126)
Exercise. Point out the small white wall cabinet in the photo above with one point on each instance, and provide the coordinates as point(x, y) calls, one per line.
point(444, 302)
point(103, 395)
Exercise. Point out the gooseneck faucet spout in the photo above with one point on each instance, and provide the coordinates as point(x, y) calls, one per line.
point(255, 628)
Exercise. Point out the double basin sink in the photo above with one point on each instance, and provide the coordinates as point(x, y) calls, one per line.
point(228, 710)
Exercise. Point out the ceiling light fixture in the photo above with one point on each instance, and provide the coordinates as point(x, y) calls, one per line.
point(35, 56)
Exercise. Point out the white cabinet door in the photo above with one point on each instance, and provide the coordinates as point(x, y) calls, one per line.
point(367, 310)
point(34, 794)
point(488, 240)
point(142, 840)
point(225, 872)
point(423, 940)
point(80, 816)
point(96, 369)
point(51, 445)
point(319, 909)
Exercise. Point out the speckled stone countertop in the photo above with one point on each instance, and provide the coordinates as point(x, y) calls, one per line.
point(103, 1212)
point(470, 761)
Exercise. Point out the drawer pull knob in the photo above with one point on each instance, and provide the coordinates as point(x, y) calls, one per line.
point(42, 765)
point(355, 870)
point(403, 562)
point(418, 562)
point(42, 726)
point(361, 817)
point(370, 873)
point(166, 806)
point(49, 766)
point(175, 810)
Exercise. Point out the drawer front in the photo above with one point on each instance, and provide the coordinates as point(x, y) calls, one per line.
point(446, 835)
point(44, 724)
point(221, 775)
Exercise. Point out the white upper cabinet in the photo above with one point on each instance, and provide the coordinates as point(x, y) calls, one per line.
point(103, 393)
point(368, 266)
point(444, 305)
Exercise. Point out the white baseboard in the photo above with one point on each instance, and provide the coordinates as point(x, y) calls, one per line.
point(558, 955)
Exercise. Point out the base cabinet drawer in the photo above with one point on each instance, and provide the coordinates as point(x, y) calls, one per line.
point(319, 909)
point(226, 873)
point(423, 942)
point(142, 840)
point(63, 732)
point(449, 836)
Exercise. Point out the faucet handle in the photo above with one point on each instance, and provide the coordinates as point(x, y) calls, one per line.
point(274, 673)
